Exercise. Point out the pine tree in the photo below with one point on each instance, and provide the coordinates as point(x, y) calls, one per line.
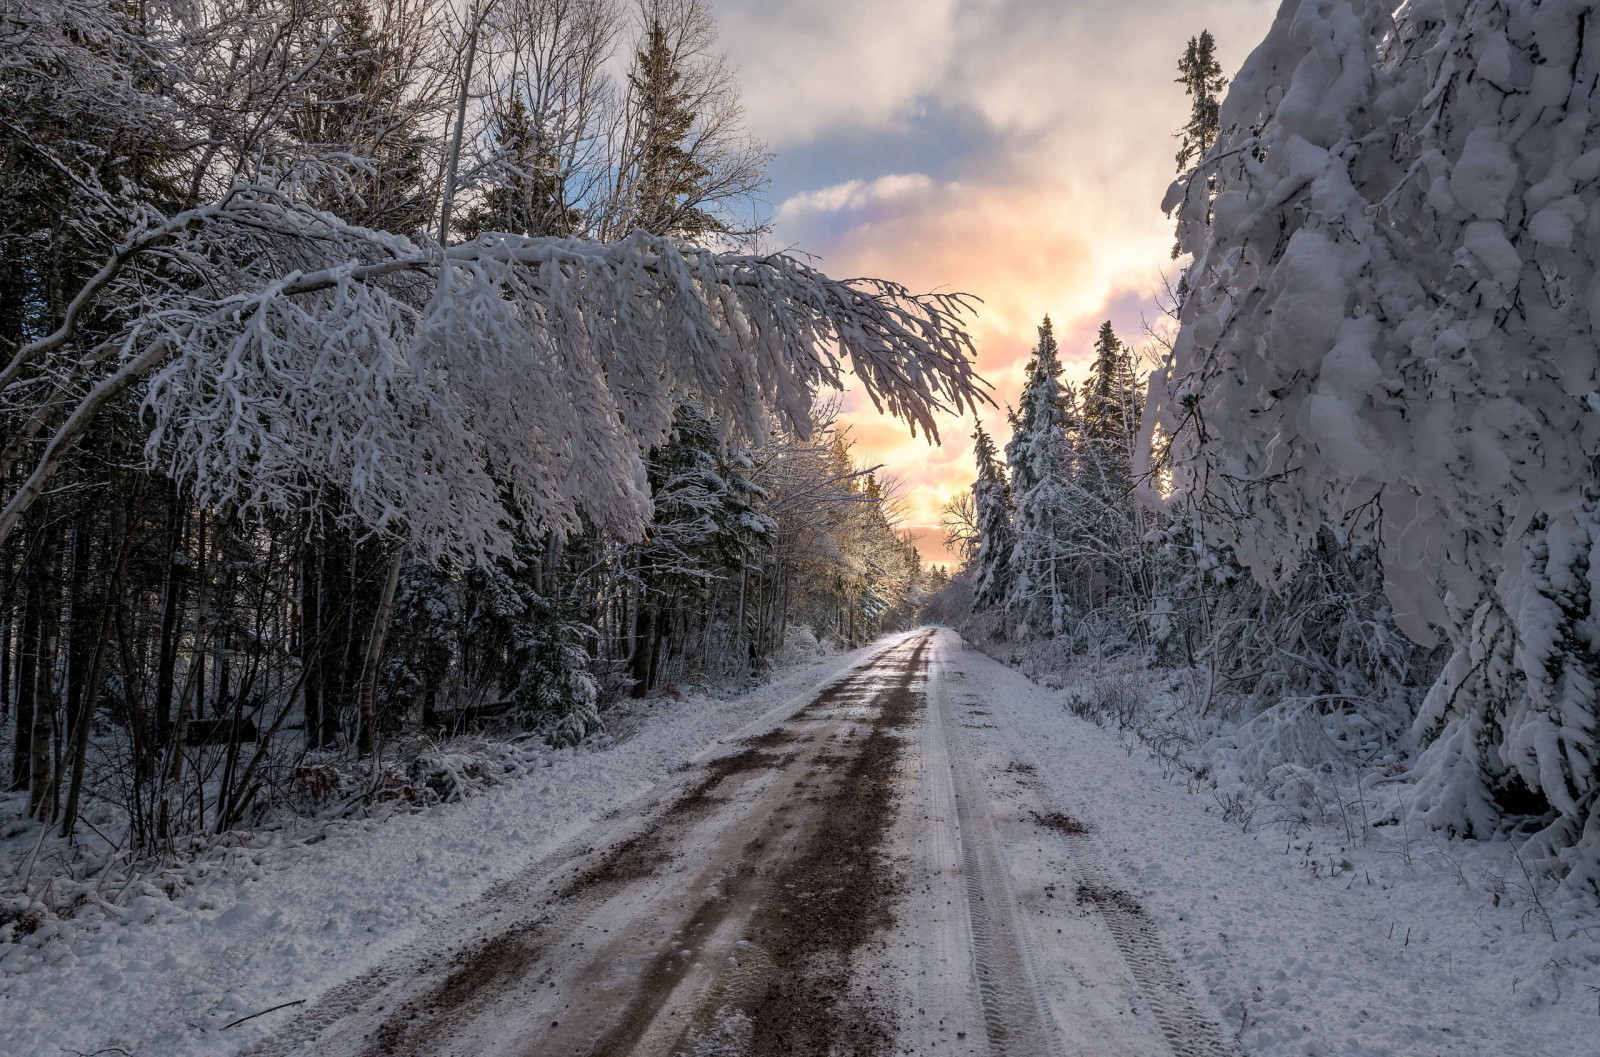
point(1202, 80)
point(669, 176)
point(1112, 398)
point(707, 526)
point(530, 197)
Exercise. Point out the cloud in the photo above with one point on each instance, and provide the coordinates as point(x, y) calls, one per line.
point(818, 65)
point(1017, 150)
point(852, 196)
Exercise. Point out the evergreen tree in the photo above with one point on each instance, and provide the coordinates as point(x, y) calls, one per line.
point(1202, 80)
point(991, 500)
point(1042, 460)
point(538, 641)
point(669, 177)
point(530, 195)
point(707, 527)
point(1112, 399)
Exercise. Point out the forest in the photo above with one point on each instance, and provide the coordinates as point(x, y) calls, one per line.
point(1349, 520)
point(376, 371)
point(464, 588)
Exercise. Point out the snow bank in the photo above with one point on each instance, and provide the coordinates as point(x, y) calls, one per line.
point(1312, 939)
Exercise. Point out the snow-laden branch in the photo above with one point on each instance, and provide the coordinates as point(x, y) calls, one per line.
point(446, 393)
point(1390, 333)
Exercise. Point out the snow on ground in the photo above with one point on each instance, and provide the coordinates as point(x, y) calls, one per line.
point(167, 981)
point(1311, 944)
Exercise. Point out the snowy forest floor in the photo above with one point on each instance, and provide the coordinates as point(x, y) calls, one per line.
point(910, 849)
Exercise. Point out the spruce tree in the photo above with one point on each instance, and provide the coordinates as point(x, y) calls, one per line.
point(669, 177)
point(707, 527)
point(1112, 397)
point(1202, 80)
point(530, 197)
point(1042, 462)
point(991, 501)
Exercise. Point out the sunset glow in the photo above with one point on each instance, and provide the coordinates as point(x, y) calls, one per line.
point(1015, 150)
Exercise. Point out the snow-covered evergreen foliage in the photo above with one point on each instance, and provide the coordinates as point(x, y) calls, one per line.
point(991, 503)
point(1389, 333)
point(1041, 456)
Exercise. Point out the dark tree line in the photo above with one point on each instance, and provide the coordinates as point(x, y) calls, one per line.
point(183, 663)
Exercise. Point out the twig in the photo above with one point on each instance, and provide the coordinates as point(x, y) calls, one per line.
point(264, 1012)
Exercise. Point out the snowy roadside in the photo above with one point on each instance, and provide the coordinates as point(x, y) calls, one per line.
point(1312, 939)
point(170, 974)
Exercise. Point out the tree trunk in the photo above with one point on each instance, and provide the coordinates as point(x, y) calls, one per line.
point(171, 612)
point(644, 641)
point(41, 743)
point(311, 643)
point(27, 682)
point(370, 668)
point(197, 669)
point(85, 717)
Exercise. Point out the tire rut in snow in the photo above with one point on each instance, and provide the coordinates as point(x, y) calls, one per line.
point(1161, 981)
point(1189, 1032)
point(1014, 1015)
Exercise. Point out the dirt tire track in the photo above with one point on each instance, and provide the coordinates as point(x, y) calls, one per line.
point(1189, 1031)
point(504, 932)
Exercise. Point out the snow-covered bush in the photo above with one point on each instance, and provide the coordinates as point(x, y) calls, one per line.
point(1389, 330)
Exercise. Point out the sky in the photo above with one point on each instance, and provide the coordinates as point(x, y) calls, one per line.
point(1017, 150)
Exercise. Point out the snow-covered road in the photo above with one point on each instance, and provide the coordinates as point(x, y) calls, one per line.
point(910, 850)
point(882, 871)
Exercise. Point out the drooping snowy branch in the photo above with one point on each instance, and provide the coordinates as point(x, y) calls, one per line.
point(446, 393)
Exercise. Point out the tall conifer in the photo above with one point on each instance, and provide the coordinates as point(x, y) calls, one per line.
point(1042, 459)
point(1112, 398)
point(670, 176)
point(1202, 80)
point(991, 501)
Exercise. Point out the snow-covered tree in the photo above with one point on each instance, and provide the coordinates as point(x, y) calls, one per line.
point(1390, 332)
point(449, 392)
point(707, 527)
point(992, 520)
point(1042, 459)
point(1112, 398)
